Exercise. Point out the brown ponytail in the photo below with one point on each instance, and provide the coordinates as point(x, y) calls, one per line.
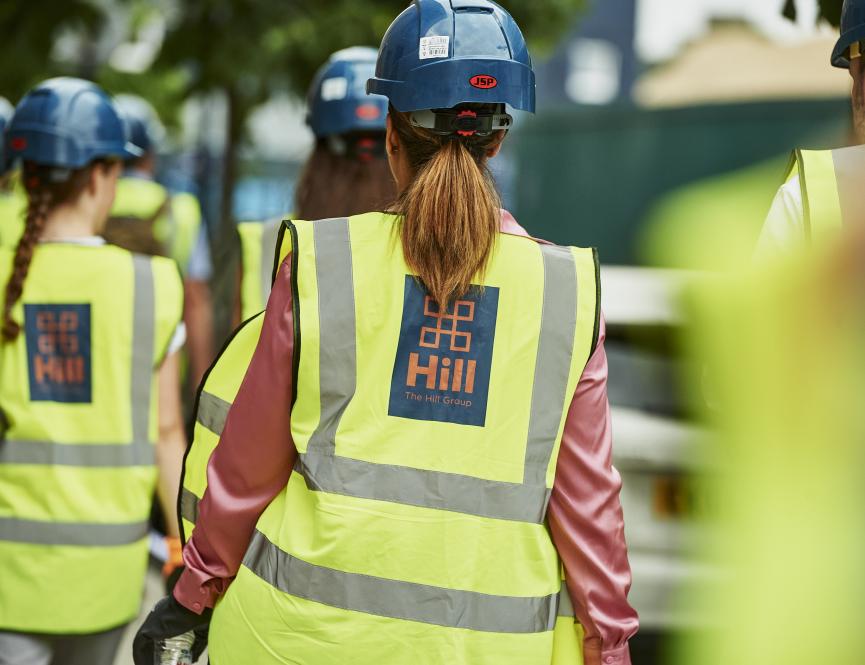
point(451, 211)
point(42, 195)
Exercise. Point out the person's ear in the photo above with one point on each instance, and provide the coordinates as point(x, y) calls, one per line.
point(392, 142)
point(94, 179)
point(494, 149)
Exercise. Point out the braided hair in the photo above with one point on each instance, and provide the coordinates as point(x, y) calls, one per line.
point(44, 193)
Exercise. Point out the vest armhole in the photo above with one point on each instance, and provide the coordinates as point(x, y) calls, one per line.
point(597, 332)
point(286, 226)
point(190, 426)
point(289, 226)
point(803, 187)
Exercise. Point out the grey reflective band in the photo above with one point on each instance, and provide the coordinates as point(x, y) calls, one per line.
point(143, 345)
point(93, 455)
point(396, 599)
point(325, 471)
point(140, 451)
point(419, 487)
point(188, 505)
point(212, 412)
point(71, 533)
point(566, 606)
point(549, 389)
point(336, 323)
point(269, 237)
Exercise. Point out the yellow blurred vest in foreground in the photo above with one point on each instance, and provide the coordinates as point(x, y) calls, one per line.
point(79, 401)
point(414, 524)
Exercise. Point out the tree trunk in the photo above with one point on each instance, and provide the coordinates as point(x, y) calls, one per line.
point(225, 248)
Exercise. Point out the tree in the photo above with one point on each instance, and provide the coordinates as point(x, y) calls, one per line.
point(830, 10)
point(29, 31)
point(249, 49)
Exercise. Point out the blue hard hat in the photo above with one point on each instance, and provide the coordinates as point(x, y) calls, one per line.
point(66, 123)
point(438, 54)
point(852, 31)
point(338, 102)
point(143, 127)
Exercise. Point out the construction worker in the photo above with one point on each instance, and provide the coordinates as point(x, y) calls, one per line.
point(91, 420)
point(13, 202)
point(146, 217)
point(346, 173)
point(439, 388)
point(823, 190)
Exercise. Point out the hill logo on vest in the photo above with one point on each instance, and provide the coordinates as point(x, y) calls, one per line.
point(58, 352)
point(443, 359)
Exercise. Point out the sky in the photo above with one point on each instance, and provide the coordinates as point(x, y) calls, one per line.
point(664, 26)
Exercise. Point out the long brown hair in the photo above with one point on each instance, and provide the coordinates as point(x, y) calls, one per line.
point(43, 194)
point(335, 185)
point(451, 210)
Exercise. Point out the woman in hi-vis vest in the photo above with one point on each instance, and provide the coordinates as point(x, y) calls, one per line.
point(347, 172)
point(420, 448)
point(91, 422)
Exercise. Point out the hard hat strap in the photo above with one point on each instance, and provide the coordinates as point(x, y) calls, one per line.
point(462, 122)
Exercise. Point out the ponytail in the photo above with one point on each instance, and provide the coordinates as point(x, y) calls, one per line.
point(43, 195)
point(451, 211)
point(37, 212)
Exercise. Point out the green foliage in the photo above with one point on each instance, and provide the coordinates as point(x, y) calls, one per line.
point(28, 32)
point(259, 45)
point(831, 11)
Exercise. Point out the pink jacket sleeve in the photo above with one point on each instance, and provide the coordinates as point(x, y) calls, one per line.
point(252, 462)
point(586, 522)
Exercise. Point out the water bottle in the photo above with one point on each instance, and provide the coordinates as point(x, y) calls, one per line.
point(176, 650)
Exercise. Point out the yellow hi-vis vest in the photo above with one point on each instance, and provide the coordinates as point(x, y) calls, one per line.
point(832, 192)
point(258, 242)
point(178, 229)
point(78, 396)
point(414, 527)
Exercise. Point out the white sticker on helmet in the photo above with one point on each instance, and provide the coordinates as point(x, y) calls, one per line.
point(334, 89)
point(434, 47)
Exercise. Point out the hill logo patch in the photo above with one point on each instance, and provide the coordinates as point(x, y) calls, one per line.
point(444, 358)
point(58, 353)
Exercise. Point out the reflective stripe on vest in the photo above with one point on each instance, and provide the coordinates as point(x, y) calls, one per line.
point(832, 194)
point(396, 599)
point(325, 471)
point(212, 412)
point(34, 532)
point(139, 452)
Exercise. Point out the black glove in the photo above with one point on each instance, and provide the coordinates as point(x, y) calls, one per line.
point(168, 618)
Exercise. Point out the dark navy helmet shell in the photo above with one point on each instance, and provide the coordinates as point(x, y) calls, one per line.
point(143, 127)
point(66, 123)
point(852, 32)
point(441, 53)
point(338, 102)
